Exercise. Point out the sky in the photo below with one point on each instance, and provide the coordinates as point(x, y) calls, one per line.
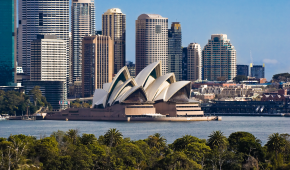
point(257, 27)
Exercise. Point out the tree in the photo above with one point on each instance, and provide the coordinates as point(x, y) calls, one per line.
point(221, 78)
point(157, 141)
point(218, 143)
point(239, 78)
point(36, 94)
point(113, 138)
point(276, 143)
point(72, 135)
point(87, 139)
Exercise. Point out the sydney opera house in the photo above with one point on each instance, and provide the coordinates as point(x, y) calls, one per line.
point(150, 96)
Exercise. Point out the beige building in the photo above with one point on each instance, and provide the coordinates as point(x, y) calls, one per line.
point(114, 25)
point(194, 62)
point(97, 57)
point(48, 59)
point(219, 58)
point(83, 24)
point(151, 41)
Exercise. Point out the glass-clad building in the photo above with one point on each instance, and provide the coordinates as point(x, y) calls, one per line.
point(7, 43)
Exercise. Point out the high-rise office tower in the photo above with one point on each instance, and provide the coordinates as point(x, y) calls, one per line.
point(194, 62)
point(184, 63)
point(151, 41)
point(83, 24)
point(175, 50)
point(257, 71)
point(219, 59)
point(8, 43)
point(114, 25)
point(97, 57)
point(41, 17)
point(48, 59)
point(242, 70)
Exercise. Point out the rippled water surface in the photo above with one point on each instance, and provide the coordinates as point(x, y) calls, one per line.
point(261, 127)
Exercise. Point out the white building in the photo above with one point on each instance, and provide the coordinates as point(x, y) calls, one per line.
point(114, 25)
point(194, 62)
point(48, 59)
point(151, 41)
point(83, 24)
point(219, 58)
point(41, 17)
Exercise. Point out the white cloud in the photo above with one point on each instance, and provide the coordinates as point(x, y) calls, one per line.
point(270, 61)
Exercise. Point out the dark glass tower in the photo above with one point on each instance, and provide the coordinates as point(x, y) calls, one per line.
point(7, 43)
point(258, 71)
point(175, 50)
point(242, 70)
point(184, 63)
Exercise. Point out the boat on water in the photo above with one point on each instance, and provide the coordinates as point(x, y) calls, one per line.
point(4, 117)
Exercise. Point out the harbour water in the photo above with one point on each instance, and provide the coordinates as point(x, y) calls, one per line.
point(261, 127)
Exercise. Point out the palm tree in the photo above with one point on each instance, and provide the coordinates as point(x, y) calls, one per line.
point(113, 137)
point(217, 139)
point(72, 134)
point(276, 143)
point(156, 140)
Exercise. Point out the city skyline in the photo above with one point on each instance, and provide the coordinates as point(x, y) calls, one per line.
point(253, 27)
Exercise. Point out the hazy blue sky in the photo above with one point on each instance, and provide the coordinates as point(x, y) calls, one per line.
point(259, 26)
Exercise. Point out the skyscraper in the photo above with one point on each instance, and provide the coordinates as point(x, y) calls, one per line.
point(242, 70)
point(151, 41)
point(114, 25)
point(175, 50)
point(194, 62)
point(184, 63)
point(83, 24)
point(8, 42)
point(41, 17)
point(257, 71)
point(219, 59)
point(48, 59)
point(97, 57)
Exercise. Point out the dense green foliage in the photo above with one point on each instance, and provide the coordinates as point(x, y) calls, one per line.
point(68, 150)
point(281, 77)
point(239, 78)
point(81, 104)
point(12, 102)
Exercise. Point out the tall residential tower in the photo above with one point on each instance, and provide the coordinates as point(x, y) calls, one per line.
point(151, 41)
point(98, 66)
point(194, 62)
point(219, 59)
point(175, 50)
point(8, 43)
point(83, 24)
point(114, 25)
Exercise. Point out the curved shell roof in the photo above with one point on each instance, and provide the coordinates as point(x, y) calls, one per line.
point(145, 74)
point(159, 84)
point(152, 85)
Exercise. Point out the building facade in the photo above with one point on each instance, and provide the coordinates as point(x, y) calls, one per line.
point(55, 92)
point(151, 41)
point(41, 17)
point(175, 50)
point(184, 63)
point(242, 70)
point(114, 25)
point(8, 43)
point(194, 62)
point(219, 59)
point(97, 63)
point(257, 71)
point(83, 24)
point(48, 59)
point(131, 67)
